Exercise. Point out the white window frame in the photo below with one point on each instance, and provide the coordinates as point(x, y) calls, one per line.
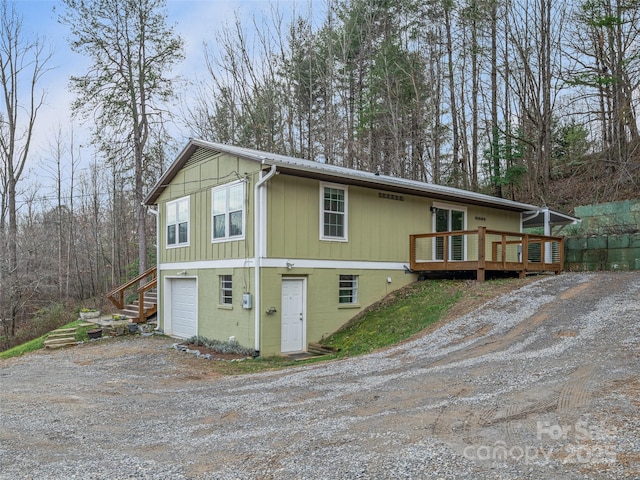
point(226, 280)
point(174, 204)
point(450, 207)
point(345, 189)
point(355, 281)
point(227, 188)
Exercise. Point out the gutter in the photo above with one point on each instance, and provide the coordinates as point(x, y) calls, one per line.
point(259, 249)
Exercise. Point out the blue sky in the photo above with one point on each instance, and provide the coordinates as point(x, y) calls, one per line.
point(196, 21)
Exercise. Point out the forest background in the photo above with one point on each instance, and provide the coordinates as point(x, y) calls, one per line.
point(531, 100)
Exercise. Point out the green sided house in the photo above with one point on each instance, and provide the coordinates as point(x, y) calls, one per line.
point(277, 252)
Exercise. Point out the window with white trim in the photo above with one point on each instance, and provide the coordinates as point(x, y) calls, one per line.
point(333, 212)
point(226, 289)
point(178, 222)
point(348, 289)
point(228, 215)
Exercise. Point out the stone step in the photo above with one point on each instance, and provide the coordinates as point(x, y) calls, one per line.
point(318, 349)
point(65, 330)
point(59, 342)
point(68, 343)
point(51, 336)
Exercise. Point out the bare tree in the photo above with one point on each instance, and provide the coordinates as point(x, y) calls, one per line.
point(605, 42)
point(23, 63)
point(132, 50)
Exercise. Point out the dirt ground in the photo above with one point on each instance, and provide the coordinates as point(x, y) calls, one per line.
point(542, 382)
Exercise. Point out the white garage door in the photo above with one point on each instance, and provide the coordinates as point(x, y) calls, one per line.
point(184, 318)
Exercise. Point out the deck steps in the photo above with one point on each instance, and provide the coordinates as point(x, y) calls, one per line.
point(150, 307)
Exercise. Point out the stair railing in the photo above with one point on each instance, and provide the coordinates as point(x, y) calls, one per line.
point(116, 296)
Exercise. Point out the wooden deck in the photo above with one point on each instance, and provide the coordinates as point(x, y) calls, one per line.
point(485, 250)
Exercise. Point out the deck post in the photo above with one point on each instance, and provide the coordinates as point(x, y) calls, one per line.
point(525, 256)
point(445, 250)
point(482, 234)
point(560, 256)
point(412, 251)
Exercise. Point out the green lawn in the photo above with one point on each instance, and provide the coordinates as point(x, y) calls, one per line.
point(38, 343)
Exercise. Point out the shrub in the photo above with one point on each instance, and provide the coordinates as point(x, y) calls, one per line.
point(219, 346)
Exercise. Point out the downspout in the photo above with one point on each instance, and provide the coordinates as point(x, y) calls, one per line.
point(531, 216)
point(157, 215)
point(548, 254)
point(259, 250)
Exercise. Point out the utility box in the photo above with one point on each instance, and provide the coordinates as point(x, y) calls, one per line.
point(247, 301)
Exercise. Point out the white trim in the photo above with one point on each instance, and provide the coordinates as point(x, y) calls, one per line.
point(342, 264)
point(226, 187)
point(450, 207)
point(166, 304)
point(166, 223)
point(354, 290)
point(205, 264)
point(345, 188)
point(259, 246)
point(282, 263)
point(304, 312)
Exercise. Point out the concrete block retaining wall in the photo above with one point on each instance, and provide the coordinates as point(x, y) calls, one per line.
point(603, 252)
point(608, 238)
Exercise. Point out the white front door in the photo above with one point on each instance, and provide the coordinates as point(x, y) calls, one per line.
point(293, 315)
point(183, 310)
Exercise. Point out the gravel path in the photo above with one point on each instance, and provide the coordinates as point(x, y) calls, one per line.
point(542, 383)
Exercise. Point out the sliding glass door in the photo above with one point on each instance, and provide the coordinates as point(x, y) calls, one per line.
point(449, 219)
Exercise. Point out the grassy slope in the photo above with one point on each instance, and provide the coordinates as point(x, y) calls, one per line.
point(399, 316)
point(38, 343)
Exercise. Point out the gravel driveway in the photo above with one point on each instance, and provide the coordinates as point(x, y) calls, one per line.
point(542, 383)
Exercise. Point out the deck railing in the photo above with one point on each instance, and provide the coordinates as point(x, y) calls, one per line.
point(142, 284)
point(486, 250)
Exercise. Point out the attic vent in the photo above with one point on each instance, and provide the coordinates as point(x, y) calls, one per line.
point(200, 155)
point(391, 196)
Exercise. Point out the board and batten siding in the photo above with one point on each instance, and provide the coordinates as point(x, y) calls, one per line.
point(379, 223)
point(378, 228)
point(196, 181)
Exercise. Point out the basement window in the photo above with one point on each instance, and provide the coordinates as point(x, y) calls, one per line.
point(226, 289)
point(348, 290)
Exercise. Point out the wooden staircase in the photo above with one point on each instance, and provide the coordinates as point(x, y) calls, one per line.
point(146, 303)
point(149, 307)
